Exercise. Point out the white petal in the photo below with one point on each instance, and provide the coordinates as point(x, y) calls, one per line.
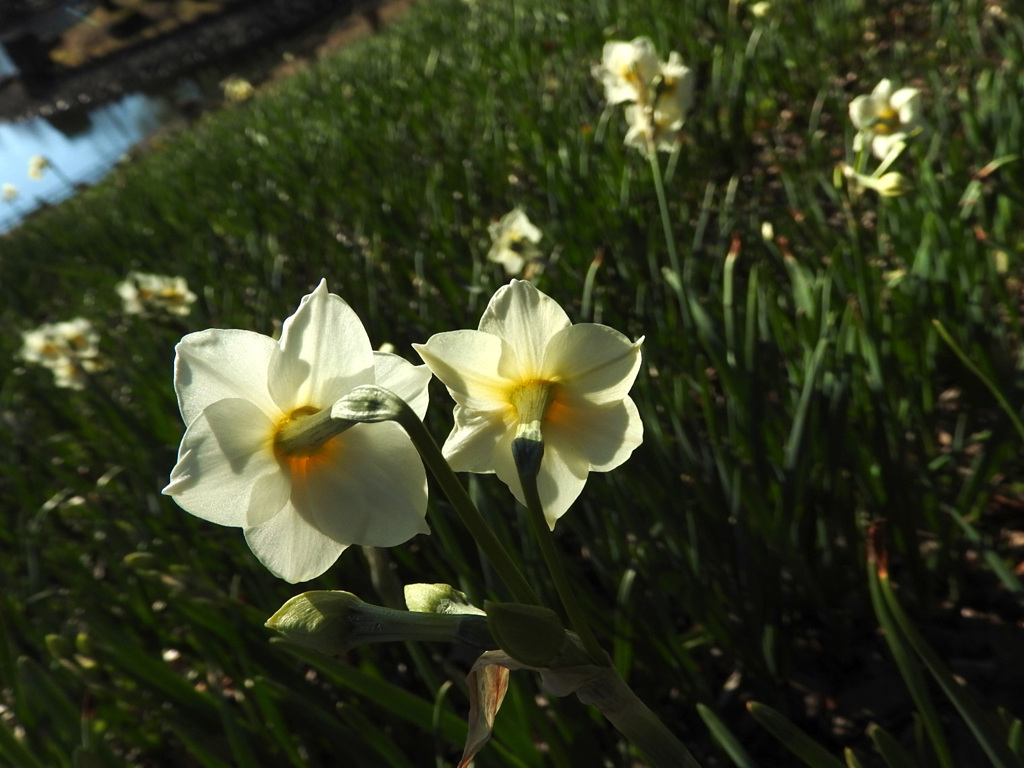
point(374, 493)
point(526, 319)
point(602, 437)
point(216, 364)
point(467, 362)
point(592, 362)
point(862, 111)
point(881, 144)
point(883, 91)
point(292, 548)
point(227, 472)
point(906, 102)
point(559, 484)
point(323, 354)
point(470, 446)
point(406, 380)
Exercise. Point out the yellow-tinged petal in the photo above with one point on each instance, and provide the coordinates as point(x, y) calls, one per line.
point(292, 548)
point(603, 436)
point(592, 362)
point(216, 364)
point(525, 319)
point(226, 471)
point(467, 362)
point(406, 380)
point(374, 494)
point(324, 336)
point(470, 446)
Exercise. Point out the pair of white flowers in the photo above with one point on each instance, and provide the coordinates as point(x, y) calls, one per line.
point(239, 391)
point(659, 94)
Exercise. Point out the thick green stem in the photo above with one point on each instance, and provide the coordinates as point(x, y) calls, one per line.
point(464, 507)
point(528, 454)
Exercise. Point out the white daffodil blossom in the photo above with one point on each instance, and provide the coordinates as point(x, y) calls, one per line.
point(659, 121)
point(885, 117)
point(9, 192)
point(69, 349)
point(529, 372)
point(250, 459)
point(513, 241)
point(36, 165)
point(142, 292)
point(627, 69)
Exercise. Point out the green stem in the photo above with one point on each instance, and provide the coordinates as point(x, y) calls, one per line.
point(464, 507)
point(527, 454)
point(659, 188)
point(679, 284)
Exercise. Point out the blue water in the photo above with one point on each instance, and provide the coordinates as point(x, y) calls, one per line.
point(82, 159)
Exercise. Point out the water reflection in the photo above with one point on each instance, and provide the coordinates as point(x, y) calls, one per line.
point(82, 154)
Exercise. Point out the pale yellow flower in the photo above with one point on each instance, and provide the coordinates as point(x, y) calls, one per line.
point(885, 117)
point(9, 193)
point(627, 69)
point(529, 369)
point(239, 392)
point(143, 293)
point(513, 241)
point(237, 89)
point(69, 349)
point(659, 94)
point(659, 120)
point(36, 165)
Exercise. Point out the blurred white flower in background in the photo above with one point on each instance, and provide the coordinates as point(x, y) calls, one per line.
point(659, 94)
point(142, 293)
point(69, 349)
point(513, 241)
point(36, 165)
point(627, 69)
point(9, 193)
point(237, 89)
point(885, 117)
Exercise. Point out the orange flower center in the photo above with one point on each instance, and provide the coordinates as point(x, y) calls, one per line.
point(303, 442)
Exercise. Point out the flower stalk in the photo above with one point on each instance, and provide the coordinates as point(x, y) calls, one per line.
point(336, 622)
point(528, 454)
point(372, 403)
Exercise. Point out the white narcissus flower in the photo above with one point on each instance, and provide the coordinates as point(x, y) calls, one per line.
point(9, 192)
point(36, 165)
point(238, 390)
point(627, 69)
point(885, 117)
point(528, 365)
point(142, 292)
point(69, 349)
point(512, 241)
point(661, 120)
